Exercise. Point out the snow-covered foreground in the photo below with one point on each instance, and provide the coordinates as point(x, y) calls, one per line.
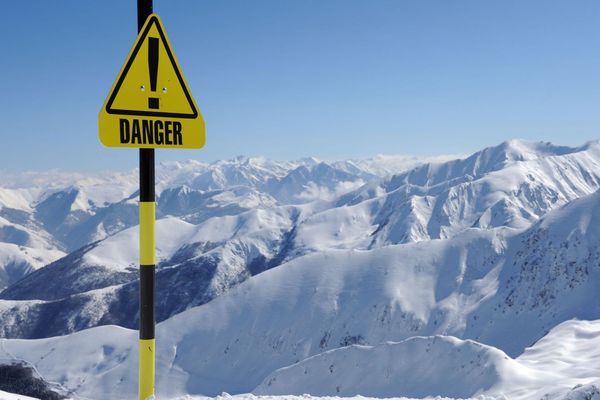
point(589, 392)
point(418, 367)
point(246, 396)
point(101, 363)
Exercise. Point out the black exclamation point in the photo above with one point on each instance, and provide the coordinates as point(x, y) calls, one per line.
point(153, 69)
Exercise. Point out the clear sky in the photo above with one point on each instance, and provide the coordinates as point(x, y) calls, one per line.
point(291, 78)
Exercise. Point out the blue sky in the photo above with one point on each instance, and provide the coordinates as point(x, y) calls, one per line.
point(326, 78)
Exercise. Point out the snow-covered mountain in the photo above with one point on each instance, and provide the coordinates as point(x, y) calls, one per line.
point(307, 271)
point(215, 237)
point(92, 208)
point(61, 212)
point(52, 213)
point(512, 184)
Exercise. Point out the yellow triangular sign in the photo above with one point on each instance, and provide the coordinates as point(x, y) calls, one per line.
point(150, 104)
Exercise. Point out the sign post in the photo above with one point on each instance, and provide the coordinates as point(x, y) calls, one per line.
point(150, 106)
point(147, 344)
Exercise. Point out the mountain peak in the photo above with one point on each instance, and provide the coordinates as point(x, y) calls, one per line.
point(522, 150)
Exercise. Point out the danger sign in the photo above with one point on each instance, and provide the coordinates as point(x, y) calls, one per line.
point(150, 104)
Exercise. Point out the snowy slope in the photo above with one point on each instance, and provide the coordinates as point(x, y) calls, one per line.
point(563, 365)
point(417, 367)
point(569, 350)
point(24, 246)
point(343, 297)
point(12, 396)
point(18, 261)
point(250, 396)
point(551, 274)
point(102, 365)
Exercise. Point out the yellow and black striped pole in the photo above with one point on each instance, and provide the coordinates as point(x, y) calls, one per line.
point(147, 253)
point(147, 270)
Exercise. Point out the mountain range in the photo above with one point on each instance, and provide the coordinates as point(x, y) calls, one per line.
point(478, 273)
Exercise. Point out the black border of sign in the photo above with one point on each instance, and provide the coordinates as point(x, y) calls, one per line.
point(152, 20)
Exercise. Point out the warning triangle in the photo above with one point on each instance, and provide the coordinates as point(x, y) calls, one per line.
point(151, 83)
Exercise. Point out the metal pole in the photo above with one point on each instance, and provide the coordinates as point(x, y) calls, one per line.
point(147, 253)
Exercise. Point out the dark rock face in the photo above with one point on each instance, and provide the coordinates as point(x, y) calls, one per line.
point(68, 310)
point(22, 379)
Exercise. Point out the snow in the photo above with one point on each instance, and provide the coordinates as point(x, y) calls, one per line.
point(388, 165)
point(96, 189)
point(563, 360)
point(17, 261)
point(344, 228)
point(101, 364)
point(506, 186)
point(19, 199)
point(568, 356)
point(24, 235)
point(314, 192)
point(11, 396)
point(122, 250)
point(417, 367)
point(250, 396)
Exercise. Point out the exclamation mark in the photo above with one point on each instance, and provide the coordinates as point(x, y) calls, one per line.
point(153, 70)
